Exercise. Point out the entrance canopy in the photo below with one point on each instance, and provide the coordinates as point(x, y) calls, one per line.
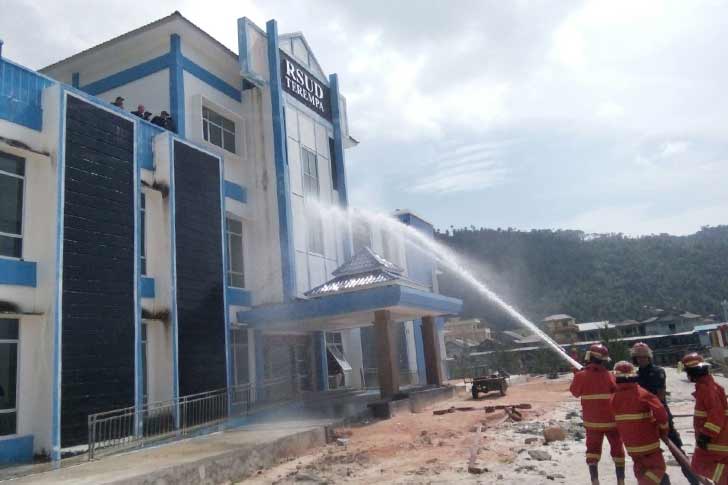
point(365, 284)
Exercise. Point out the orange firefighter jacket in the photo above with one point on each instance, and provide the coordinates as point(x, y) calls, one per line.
point(710, 418)
point(640, 417)
point(595, 386)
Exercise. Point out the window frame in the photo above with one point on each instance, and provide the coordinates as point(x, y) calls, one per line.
point(24, 181)
point(228, 269)
point(14, 410)
point(314, 224)
point(237, 346)
point(205, 126)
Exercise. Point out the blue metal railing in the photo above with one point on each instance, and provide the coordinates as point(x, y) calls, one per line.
point(20, 95)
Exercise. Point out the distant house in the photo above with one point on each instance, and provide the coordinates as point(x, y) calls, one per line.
point(470, 330)
point(593, 330)
point(629, 328)
point(561, 327)
point(666, 323)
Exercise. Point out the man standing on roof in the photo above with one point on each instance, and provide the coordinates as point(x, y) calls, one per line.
point(709, 421)
point(641, 420)
point(652, 378)
point(595, 385)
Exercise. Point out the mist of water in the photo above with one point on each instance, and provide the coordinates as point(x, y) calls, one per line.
point(447, 258)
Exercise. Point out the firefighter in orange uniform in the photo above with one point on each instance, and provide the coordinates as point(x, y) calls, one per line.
point(709, 421)
point(641, 420)
point(595, 386)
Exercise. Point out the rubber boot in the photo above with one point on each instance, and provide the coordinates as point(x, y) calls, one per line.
point(594, 474)
point(620, 474)
point(665, 480)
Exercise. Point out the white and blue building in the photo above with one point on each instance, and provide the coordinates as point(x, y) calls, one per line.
point(139, 265)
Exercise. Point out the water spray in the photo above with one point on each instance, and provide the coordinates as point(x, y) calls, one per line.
point(449, 259)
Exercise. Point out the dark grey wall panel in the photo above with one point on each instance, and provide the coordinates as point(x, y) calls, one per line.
point(98, 268)
point(200, 302)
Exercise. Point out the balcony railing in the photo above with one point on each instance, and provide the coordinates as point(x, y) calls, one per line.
point(128, 428)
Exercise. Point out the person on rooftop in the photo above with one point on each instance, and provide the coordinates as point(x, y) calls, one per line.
point(119, 102)
point(139, 111)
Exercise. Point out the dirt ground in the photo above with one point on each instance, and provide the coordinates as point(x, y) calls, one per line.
point(425, 448)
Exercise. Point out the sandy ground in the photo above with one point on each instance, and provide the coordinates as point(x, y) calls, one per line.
point(424, 448)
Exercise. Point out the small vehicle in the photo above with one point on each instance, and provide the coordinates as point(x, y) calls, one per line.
point(494, 382)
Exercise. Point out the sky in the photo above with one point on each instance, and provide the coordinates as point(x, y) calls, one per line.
point(604, 116)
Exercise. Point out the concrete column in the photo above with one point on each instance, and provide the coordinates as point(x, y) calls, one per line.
point(387, 358)
point(431, 343)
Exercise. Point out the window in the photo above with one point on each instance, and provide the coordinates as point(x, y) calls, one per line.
point(311, 192)
point(8, 375)
point(218, 130)
point(143, 226)
point(235, 266)
point(334, 342)
point(240, 355)
point(12, 179)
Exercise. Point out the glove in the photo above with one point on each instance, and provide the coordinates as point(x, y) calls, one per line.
point(702, 441)
point(664, 432)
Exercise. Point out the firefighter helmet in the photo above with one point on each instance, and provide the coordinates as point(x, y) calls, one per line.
point(624, 369)
point(597, 351)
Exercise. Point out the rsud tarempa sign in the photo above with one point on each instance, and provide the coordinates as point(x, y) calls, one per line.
point(303, 86)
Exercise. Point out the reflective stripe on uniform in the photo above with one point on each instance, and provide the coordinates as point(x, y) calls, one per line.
point(632, 417)
point(593, 456)
point(591, 397)
point(713, 427)
point(704, 414)
point(652, 476)
point(664, 426)
point(587, 424)
point(718, 472)
point(643, 448)
point(618, 460)
point(718, 448)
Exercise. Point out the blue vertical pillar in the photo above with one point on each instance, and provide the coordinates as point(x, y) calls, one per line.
point(336, 118)
point(138, 235)
point(322, 366)
point(285, 225)
point(75, 80)
point(420, 351)
point(177, 84)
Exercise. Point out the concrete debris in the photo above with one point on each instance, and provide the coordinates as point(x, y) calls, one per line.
point(554, 433)
point(524, 406)
point(539, 455)
point(530, 440)
point(477, 469)
point(342, 441)
point(513, 414)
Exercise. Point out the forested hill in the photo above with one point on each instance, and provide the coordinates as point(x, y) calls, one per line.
point(591, 277)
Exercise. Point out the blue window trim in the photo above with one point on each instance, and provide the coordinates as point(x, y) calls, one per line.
point(236, 192)
point(285, 226)
point(18, 273)
point(147, 287)
point(238, 296)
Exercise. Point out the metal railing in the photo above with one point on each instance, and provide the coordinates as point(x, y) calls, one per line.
point(128, 428)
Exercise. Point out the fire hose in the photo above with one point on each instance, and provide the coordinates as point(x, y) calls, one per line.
point(683, 460)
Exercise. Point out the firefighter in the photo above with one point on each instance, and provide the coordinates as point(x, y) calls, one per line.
point(595, 386)
point(652, 378)
point(709, 421)
point(641, 420)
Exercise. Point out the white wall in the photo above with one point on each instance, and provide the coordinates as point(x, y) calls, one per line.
point(159, 360)
point(152, 91)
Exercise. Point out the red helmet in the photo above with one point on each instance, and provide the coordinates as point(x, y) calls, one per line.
point(598, 351)
point(641, 349)
point(624, 369)
point(693, 359)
